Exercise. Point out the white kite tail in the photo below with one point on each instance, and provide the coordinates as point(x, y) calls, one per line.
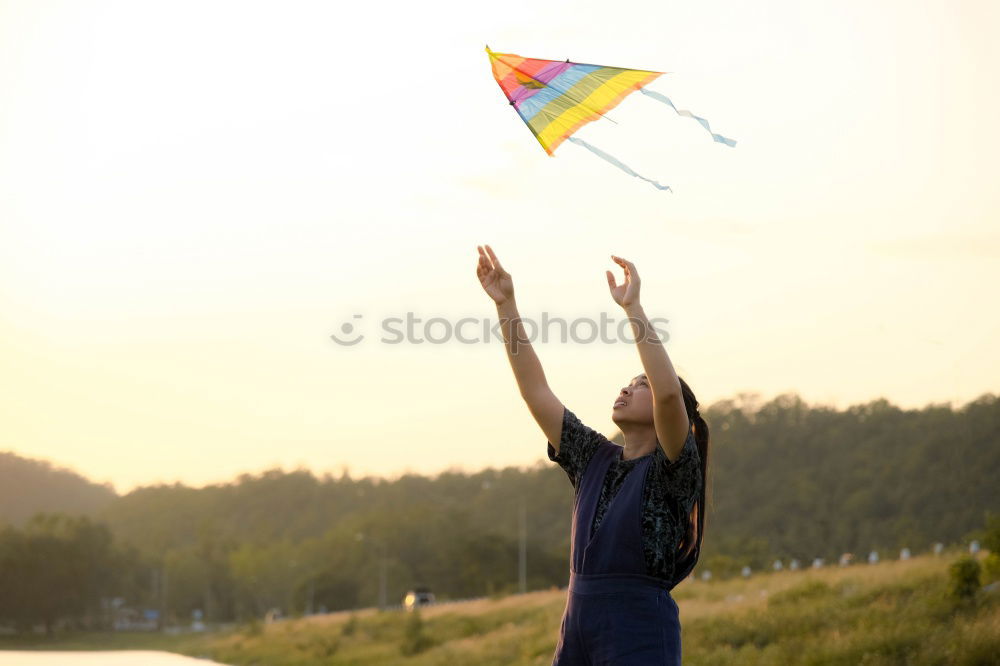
point(613, 160)
point(683, 112)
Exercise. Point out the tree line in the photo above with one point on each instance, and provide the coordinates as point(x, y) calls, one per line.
point(787, 480)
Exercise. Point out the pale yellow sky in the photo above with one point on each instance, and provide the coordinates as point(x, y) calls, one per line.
point(195, 195)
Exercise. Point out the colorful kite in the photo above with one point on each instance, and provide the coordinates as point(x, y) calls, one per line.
point(556, 98)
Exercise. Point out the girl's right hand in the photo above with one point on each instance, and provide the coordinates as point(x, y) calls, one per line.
point(496, 282)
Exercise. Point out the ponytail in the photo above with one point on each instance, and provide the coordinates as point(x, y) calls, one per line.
point(690, 547)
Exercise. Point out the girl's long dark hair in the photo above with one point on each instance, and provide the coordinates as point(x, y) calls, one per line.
point(690, 546)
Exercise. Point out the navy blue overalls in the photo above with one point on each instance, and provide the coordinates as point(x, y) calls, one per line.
point(615, 612)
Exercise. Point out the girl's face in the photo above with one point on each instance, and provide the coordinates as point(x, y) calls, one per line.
point(634, 403)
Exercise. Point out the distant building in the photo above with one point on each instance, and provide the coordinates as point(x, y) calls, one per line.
point(777, 566)
point(818, 563)
point(706, 575)
point(938, 548)
point(846, 559)
point(904, 554)
point(794, 565)
point(873, 557)
point(133, 619)
point(974, 546)
point(745, 572)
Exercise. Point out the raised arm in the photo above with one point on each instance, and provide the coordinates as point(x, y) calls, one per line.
point(544, 406)
point(670, 417)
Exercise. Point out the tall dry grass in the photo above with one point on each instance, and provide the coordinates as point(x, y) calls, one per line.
point(891, 613)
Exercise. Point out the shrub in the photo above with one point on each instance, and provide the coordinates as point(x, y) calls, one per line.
point(964, 578)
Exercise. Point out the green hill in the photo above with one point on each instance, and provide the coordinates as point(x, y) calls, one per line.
point(894, 613)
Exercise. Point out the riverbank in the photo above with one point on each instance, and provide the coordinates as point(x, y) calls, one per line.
point(104, 658)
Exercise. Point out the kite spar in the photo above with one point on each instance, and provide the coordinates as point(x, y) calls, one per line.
point(556, 98)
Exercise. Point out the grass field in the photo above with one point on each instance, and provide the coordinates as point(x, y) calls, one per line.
point(893, 612)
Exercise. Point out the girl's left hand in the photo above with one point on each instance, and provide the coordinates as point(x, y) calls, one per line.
point(627, 293)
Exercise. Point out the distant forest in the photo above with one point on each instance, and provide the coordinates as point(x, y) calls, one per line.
point(786, 480)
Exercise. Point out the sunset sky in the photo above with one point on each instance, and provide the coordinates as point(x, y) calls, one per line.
point(195, 195)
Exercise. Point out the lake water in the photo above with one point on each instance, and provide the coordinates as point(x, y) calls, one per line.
point(117, 658)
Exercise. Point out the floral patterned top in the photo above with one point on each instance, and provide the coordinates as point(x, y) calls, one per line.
point(670, 492)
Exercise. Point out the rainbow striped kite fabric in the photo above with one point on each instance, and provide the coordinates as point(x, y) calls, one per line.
point(556, 98)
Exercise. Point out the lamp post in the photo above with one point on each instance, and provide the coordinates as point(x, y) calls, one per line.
point(382, 568)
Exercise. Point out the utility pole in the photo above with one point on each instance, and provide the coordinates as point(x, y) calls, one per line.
point(163, 596)
point(522, 559)
point(382, 581)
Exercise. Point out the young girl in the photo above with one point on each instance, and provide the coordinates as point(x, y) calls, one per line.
point(639, 512)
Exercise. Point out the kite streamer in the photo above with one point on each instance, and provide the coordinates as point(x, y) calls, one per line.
point(603, 155)
point(704, 123)
point(556, 98)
